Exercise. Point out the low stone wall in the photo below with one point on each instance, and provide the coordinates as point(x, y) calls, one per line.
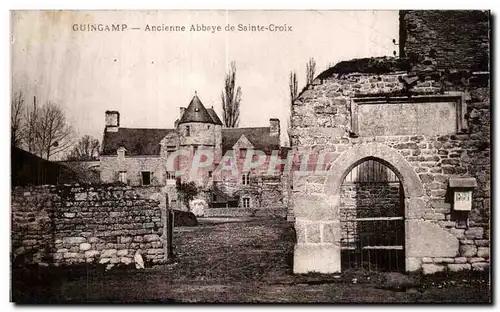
point(246, 212)
point(73, 224)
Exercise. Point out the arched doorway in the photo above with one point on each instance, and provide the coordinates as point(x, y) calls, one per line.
point(371, 213)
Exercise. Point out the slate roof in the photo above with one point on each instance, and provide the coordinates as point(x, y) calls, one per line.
point(214, 116)
point(136, 141)
point(259, 137)
point(196, 112)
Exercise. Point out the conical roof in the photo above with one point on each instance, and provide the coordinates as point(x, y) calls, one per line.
point(196, 112)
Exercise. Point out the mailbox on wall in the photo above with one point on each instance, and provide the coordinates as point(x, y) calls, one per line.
point(462, 193)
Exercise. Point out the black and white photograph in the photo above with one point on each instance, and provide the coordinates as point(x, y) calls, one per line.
point(250, 156)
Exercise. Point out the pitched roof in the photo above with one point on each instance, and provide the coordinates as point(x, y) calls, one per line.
point(259, 137)
point(135, 140)
point(196, 112)
point(214, 116)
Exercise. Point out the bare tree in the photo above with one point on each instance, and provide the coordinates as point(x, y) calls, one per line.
point(53, 132)
point(16, 119)
point(46, 131)
point(87, 148)
point(231, 99)
point(30, 128)
point(293, 86)
point(310, 70)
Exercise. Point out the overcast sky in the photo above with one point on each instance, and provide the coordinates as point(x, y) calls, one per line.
point(147, 76)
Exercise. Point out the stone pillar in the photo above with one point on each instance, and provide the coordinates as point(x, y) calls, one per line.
point(318, 234)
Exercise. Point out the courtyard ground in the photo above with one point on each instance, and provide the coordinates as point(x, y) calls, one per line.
point(243, 260)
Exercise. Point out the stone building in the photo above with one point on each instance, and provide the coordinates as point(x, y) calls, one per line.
point(160, 157)
point(407, 143)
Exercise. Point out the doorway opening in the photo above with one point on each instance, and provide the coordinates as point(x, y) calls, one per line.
point(372, 218)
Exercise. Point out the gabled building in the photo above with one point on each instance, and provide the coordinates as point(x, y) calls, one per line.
point(157, 157)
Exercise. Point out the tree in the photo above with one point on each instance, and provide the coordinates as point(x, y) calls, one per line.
point(87, 148)
point(293, 86)
point(310, 70)
point(16, 119)
point(231, 99)
point(46, 130)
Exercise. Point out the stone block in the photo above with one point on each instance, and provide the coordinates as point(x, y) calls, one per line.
point(74, 240)
point(458, 233)
point(483, 252)
point(413, 264)
point(427, 239)
point(482, 242)
point(81, 196)
point(85, 246)
point(480, 266)
point(300, 230)
point(474, 233)
point(108, 253)
point(444, 260)
point(126, 260)
point(313, 233)
point(324, 258)
point(69, 215)
point(91, 253)
point(331, 232)
point(457, 267)
point(476, 259)
point(155, 251)
point(427, 260)
point(468, 250)
point(431, 268)
point(316, 207)
point(122, 252)
point(460, 260)
point(151, 238)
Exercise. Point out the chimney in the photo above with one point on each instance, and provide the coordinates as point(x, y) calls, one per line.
point(112, 121)
point(182, 110)
point(274, 127)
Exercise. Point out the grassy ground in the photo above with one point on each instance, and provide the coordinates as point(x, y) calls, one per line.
point(243, 260)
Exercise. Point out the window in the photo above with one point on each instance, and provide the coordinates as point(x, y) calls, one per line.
point(188, 131)
point(122, 177)
point(121, 152)
point(169, 176)
point(246, 202)
point(245, 179)
point(243, 152)
point(210, 174)
point(146, 177)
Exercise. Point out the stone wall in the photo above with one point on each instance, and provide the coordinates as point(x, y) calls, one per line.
point(323, 122)
point(457, 40)
point(72, 224)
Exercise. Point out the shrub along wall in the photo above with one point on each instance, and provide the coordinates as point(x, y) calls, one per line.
point(73, 224)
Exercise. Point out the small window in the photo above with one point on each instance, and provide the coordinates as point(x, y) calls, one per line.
point(243, 152)
point(169, 176)
point(245, 179)
point(210, 174)
point(146, 177)
point(188, 131)
point(246, 202)
point(122, 177)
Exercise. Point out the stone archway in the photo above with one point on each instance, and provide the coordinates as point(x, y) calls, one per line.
point(318, 249)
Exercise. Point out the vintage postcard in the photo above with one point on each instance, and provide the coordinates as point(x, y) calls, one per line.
point(250, 156)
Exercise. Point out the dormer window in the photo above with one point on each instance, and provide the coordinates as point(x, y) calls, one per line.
point(121, 152)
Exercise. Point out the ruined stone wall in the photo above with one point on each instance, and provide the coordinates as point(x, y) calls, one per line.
point(73, 224)
point(457, 40)
point(322, 122)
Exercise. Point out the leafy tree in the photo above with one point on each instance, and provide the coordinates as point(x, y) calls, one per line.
point(186, 190)
point(231, 99)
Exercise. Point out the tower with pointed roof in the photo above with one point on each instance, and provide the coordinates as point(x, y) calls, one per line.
point(199, 127)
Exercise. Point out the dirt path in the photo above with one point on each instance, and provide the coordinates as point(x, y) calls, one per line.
point(244, 260)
